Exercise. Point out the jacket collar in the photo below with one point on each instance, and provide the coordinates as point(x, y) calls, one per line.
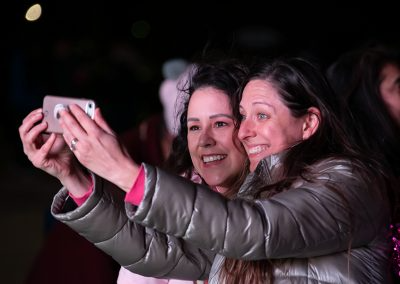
point(271, 162)
point(268, 169)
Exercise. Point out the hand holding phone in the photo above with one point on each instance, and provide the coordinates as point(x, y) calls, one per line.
point(53, 104)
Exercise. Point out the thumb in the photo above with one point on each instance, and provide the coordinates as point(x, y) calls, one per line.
point(99, 119)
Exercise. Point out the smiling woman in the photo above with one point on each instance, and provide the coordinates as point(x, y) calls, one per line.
point(207, 144)
point(216, 152)
point(304, 172)
point(206, 150)
point(267, 125)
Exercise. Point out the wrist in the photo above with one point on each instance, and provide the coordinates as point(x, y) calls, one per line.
point(77, 183)
point(127, 176)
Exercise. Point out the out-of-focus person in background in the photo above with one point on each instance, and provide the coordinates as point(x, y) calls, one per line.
point(366, 79)
point(151, 140)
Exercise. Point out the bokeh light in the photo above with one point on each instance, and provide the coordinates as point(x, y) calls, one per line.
point(33, 13)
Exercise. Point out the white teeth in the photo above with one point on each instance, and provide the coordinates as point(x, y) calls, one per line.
point(207, 159)
point(256, 150)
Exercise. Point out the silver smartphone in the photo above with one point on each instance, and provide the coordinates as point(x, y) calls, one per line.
point(53, 104)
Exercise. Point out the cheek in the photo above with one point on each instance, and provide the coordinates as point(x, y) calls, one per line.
point(232, 143)
point(238, 145)
point(237, 153)
point(293, 135)
point(271, 131)
point(237, 150)
point(239, 161)
point(284, 134)
point(191, 144)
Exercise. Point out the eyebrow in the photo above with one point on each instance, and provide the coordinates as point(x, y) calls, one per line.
point(262, 103)
point(212, 117)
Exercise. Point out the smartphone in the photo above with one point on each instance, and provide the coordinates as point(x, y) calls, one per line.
point(53, 104)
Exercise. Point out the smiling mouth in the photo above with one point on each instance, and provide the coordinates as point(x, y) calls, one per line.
point(213, 158)
point(256, 150)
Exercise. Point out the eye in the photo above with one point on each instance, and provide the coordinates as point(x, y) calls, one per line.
point(193, 128)
point(262, 116)
point(242, 117)
point(220, 124)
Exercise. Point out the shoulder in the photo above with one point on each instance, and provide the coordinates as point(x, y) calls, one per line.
point(332, 173)
point(333, 166)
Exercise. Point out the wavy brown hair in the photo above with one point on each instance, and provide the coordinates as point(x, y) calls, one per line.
point(301, 85)
point(226, 75)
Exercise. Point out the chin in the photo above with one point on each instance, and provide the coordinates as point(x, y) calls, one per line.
point(214, 181)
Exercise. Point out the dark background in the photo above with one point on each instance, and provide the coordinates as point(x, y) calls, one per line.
point(112, 51)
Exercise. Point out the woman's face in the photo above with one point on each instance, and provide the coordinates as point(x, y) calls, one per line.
point(216, 152)
point(390, 89)
point(267, 126)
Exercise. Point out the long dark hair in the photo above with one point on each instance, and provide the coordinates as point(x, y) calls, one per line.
point(356, 77)
point(226, 75)
point(301, 85)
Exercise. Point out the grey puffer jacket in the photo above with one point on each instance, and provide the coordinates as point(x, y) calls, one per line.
point(307, 228)
point(316, 235)
point(103, 221)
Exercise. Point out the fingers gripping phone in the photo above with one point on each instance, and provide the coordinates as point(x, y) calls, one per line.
point(53, 104)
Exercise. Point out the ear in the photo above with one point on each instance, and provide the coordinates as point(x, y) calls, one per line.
point(311, 122)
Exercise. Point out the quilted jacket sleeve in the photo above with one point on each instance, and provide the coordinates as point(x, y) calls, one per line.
point(102, 220)
point(311, 219)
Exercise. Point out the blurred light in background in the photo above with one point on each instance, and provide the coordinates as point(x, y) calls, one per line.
point(33, 13)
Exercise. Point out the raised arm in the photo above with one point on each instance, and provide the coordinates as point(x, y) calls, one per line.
point(102, 220)
point(304, 221)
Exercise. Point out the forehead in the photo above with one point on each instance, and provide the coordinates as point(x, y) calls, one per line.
point(209, 99)
point(262, 91)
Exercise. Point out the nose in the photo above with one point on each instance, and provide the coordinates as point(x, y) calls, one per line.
point(206, 139)
point(246, 129)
